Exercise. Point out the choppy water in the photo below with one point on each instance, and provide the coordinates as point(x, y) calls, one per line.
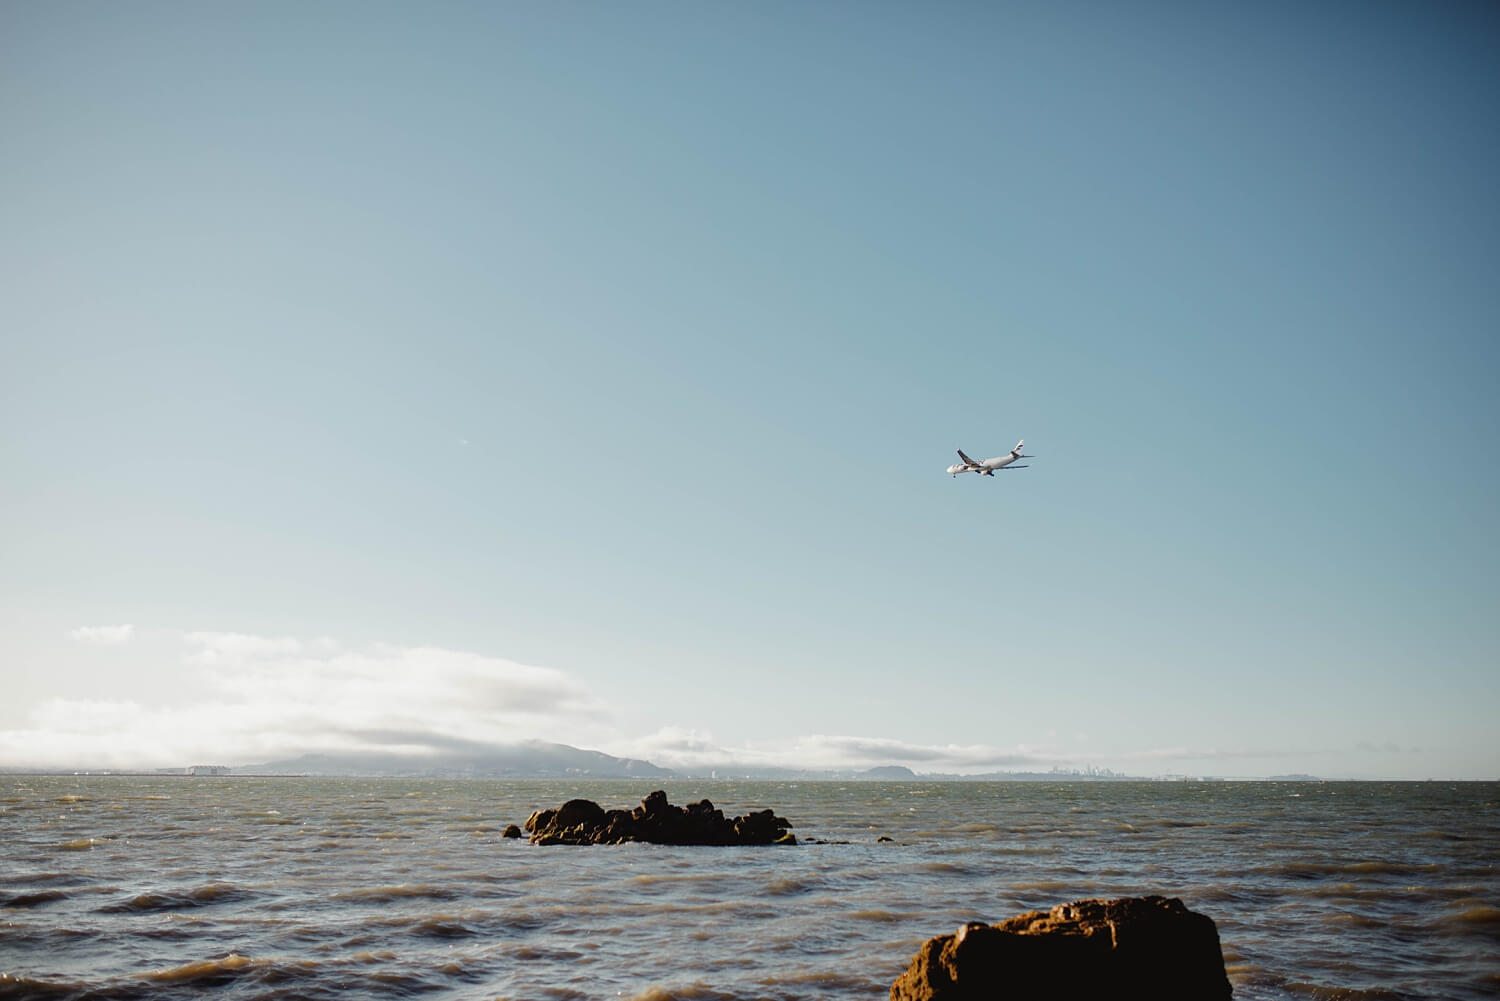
point(128, 887)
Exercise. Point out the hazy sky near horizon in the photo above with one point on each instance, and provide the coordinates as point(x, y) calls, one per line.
point(381, 374)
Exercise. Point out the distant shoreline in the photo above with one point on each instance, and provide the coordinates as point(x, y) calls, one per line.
point(1019, 777)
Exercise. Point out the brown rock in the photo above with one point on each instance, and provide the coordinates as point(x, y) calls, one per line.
point(511, 831)
point(584, 822)
point(579, 811)
point(1134, 946)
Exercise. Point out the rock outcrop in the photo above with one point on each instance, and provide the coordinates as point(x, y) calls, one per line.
point(1131, 947)
point(584, 822)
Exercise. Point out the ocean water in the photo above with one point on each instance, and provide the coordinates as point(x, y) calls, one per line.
point(259, 888)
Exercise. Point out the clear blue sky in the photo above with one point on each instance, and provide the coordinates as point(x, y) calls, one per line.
point(595, 366)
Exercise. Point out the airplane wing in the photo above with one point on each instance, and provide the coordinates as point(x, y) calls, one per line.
point(1004, 468)
point(967, 461)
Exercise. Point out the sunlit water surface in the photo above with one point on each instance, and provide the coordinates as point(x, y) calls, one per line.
point(145, 887)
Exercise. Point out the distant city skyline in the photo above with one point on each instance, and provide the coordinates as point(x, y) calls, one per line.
point(393, 376)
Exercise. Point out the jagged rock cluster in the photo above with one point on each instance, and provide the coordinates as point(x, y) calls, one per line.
point(1131, 947)
point(584, 822)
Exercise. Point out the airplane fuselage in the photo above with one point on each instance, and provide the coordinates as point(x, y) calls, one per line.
point(984, 467)
point(987, 467)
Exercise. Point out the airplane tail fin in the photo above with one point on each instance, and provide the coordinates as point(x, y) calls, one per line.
point(1019, 445)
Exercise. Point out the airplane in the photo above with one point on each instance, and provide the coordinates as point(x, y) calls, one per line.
point(987, 467)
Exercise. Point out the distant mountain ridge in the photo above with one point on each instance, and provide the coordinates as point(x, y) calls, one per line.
point(532, 759)
point(535, 759)
point(542, 760)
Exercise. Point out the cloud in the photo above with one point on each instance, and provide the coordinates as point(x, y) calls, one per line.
point(1385, 747)
point(1183, 753)
point(256, 698)
point(239, 698)
point(673, 747)
point(238, 648)
point(103, 635)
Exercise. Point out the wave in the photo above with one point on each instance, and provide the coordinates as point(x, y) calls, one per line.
point(1241, 896)
point(1266, 983)
point(537, 952)
point(34, 899)
point(1392, 867)
point(14, 988)
point(785, 886)
point(1315, 870)
point(831, 981)
point(302, 981)
point(205, 973)
point(1349, 919)
point(1171, 822)
point(65, 878)
point(443, 926)
point(1316, 992)
point(268, 979)
point(401, 891)
point(690, 992)
point(673, 878)
point(1482, 919)
point(1045, 885)
point(203, 896)
point(876, 914)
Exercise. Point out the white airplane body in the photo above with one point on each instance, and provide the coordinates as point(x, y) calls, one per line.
point(987, 467)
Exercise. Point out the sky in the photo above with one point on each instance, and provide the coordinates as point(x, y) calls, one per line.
point(376, 375)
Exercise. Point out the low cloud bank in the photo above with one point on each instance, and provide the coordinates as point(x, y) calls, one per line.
point(258, 697)
point(694, 750)
point(236, 699)
point(103, 635)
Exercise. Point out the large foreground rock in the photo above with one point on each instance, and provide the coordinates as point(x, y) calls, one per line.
point(584, 822)
point(1132, 947)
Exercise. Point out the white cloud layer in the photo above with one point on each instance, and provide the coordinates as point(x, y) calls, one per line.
point(257, 698)
point(103, 635)
point(236, 699)
point(673, 747)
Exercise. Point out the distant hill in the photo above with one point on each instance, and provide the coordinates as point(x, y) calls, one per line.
point(533, 759)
